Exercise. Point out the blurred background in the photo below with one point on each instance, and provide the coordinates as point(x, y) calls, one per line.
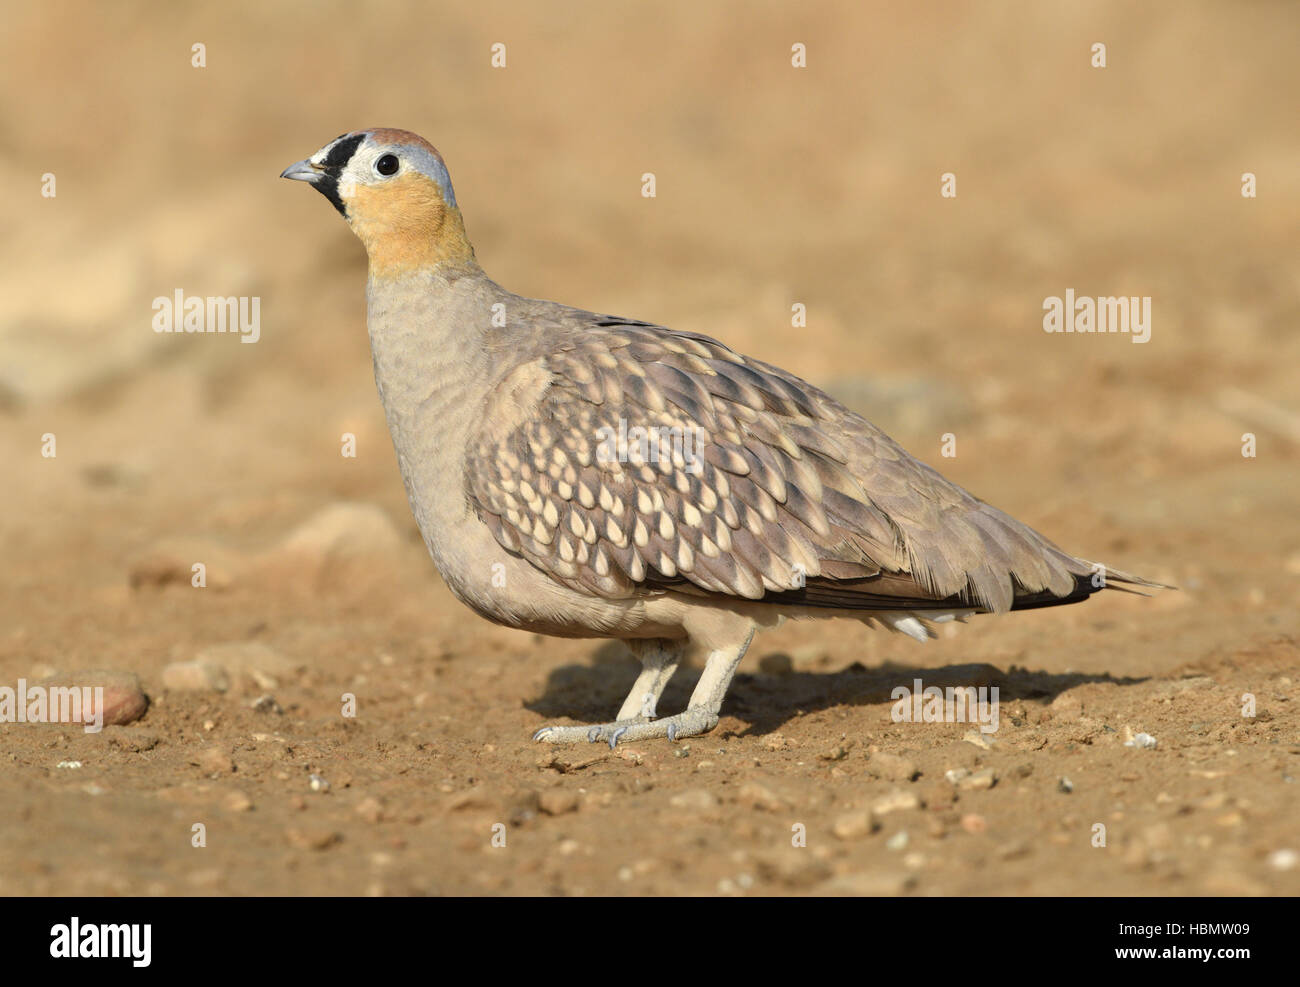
point(776, 185)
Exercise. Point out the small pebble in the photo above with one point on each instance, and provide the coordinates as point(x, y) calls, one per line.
point(837, 753)
point(980, 740)
point(938, 796)
point(558, 801)
point(1286, 859)
point(758, 796)
point(984, 778)
point(195, 676)
point(854, 825)
point(895, 801)
point(238, 802)
point(123, 699)
point(265, 704)
point(1142, 741)
point(312, 839)
point(892, 767)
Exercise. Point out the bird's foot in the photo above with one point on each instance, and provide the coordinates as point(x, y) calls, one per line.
point(693, 721)
point(591, 734)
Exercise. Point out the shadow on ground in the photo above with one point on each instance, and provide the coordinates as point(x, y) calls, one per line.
point(594, 692)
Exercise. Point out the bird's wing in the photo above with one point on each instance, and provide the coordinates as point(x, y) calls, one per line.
point(654, 460)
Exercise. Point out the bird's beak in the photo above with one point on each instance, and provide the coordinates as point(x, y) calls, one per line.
point(303, 171)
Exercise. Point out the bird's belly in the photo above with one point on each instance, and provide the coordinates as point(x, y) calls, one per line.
point(504, 588)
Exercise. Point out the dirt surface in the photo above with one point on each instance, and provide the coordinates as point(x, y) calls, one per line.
point(776, 185)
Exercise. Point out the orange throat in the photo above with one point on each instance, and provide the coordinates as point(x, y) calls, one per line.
point(408, 228)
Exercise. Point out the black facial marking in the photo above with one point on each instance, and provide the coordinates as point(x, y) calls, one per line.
point(328, 186)
point(333, 165)
point(341, 153)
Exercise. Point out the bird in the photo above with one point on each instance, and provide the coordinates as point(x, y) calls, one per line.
point(583, 475)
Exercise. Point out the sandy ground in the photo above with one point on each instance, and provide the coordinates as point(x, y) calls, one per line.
point(776, 186)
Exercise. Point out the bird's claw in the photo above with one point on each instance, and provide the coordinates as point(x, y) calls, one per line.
point(688, 723)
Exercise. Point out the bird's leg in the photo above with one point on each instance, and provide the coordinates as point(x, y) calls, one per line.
point(700, 716)
point(659, 659)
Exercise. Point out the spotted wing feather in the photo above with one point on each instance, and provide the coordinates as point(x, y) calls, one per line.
point(750, 484)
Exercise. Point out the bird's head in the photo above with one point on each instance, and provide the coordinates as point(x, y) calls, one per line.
point(393, 189)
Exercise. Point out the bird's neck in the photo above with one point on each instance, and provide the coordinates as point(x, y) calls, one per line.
point(433, 370)
point(401, 243)
point(427, 332)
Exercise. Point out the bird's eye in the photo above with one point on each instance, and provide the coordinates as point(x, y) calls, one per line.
point(386, 165)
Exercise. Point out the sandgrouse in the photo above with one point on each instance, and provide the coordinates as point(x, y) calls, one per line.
point(584, 475)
